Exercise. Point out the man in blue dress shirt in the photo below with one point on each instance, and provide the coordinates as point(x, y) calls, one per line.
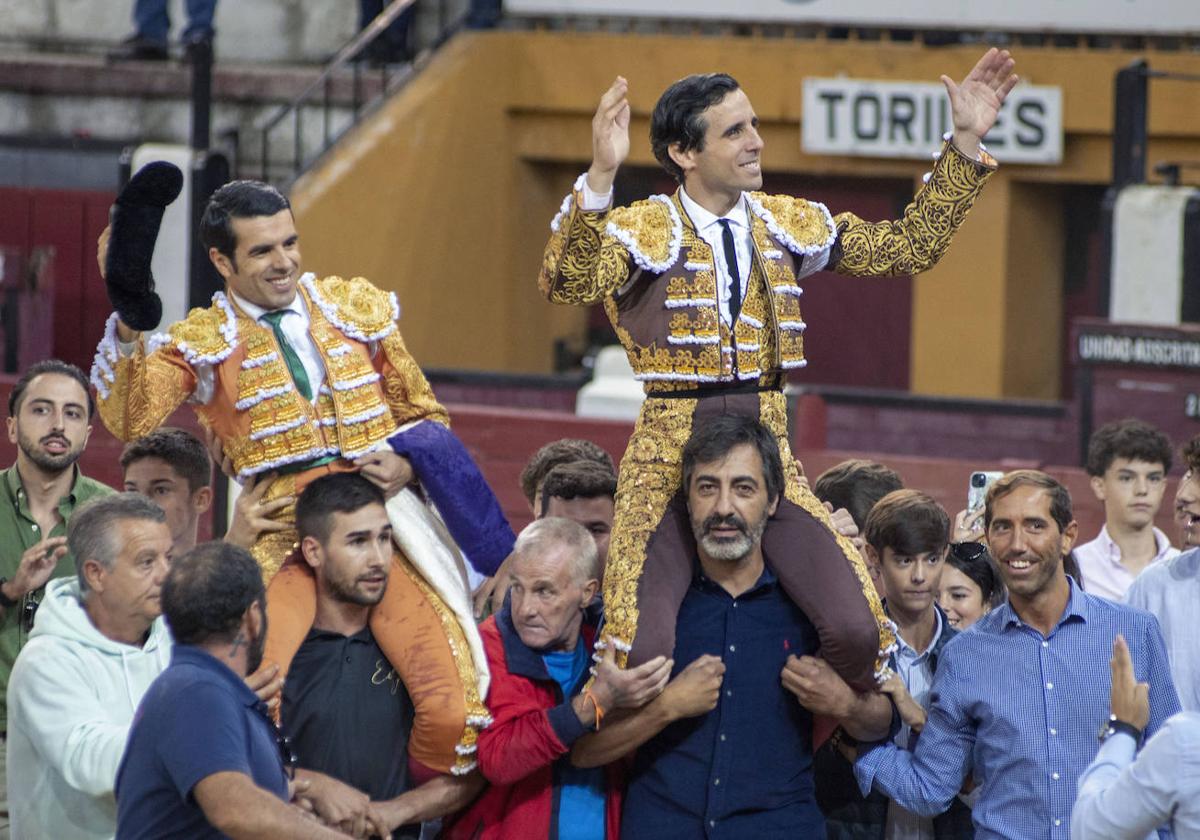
point(1018, 700)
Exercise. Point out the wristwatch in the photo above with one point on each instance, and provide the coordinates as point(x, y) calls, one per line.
point(1112, 726)
point(5, 601)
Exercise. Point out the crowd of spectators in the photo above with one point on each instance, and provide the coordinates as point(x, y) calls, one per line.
point(136, 702)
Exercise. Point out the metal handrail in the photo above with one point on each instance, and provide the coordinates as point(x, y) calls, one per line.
point(323, 86)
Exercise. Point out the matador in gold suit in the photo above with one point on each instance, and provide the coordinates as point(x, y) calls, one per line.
point(243, 380)
point(699, 355)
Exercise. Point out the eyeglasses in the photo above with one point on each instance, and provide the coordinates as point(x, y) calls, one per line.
point(968, 552)
point(286, 754)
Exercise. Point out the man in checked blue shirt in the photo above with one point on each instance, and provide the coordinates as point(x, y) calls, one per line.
point(1019, 698)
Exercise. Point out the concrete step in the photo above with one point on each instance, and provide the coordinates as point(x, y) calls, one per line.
point(59, 96)
point(256, 31)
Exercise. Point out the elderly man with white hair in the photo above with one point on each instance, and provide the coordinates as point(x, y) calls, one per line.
point(539, 649)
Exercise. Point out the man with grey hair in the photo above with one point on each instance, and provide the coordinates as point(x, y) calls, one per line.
point(97, 644)
point(539, 648)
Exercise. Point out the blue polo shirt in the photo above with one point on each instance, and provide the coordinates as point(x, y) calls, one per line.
point(745, 768)
point(197, 719)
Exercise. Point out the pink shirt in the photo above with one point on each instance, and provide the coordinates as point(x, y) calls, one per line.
point(1100, 564)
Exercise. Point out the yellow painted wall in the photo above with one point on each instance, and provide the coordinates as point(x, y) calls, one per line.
point(446, 193)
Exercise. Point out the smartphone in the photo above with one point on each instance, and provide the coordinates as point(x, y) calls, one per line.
point(977, 488)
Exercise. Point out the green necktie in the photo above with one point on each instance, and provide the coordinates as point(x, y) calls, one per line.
point(295, 366)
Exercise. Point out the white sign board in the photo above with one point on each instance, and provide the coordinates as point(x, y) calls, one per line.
point(1168, 17)
point(908, 119)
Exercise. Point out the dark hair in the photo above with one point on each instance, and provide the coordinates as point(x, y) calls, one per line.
point(49, 366)
point(556, 453)
point(1130, 439)
point(1060, 498)
point(677, 115)
point(856, 485)
point(337, 493)
point(92, 533)
point(237, 200)
point(909, 522)
point(714, 438)
point(1191, 454)
point(978, 565)
point(578, 479)
point(182, 451)
point(207, 592)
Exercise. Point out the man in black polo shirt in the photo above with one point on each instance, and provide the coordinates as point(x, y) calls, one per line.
point(743, 769)
point(347, 711)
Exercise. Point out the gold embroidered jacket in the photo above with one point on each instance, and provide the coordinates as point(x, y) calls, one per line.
point(657, 280)
point(372, 385)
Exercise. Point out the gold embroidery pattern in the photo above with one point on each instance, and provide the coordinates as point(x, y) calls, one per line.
point(464, 760)
point(649, 478)
point(405, 387)
point(280, 418)
point(773, 413)
point(200, 331)
point(591, 264)
point(702, 286)
point(648, 223)
point(752, 340)
point(703, 326)
point(144, 392)
point(359, 304)
point(802, 222)
point(916, 241)
point(272, 548)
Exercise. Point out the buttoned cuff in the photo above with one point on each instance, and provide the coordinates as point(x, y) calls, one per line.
point(1118, 749)
point(867, 765)
point(566, 724)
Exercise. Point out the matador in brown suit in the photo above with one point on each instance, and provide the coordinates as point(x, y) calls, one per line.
point(702, 288)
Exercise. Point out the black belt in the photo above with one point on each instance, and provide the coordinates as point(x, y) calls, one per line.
point(720, 389)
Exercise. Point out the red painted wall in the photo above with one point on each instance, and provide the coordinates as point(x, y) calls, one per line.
point(69, 222)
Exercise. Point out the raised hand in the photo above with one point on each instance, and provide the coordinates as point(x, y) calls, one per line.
point(1130, 698)
point(975, 101)
point(610, 136)
point(36, 566)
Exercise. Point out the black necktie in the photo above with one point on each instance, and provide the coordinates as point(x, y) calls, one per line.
point(735, 276)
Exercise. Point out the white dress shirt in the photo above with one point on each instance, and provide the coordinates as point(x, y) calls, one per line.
point(1100, 564)
point(1123, 799)
point(708, 226)
point(295, 325)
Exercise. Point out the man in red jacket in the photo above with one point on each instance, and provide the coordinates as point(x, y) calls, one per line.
point(539, 648)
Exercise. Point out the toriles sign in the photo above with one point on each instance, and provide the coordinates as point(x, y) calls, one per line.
point(908, 119)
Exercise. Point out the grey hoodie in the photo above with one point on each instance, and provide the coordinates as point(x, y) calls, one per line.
point(71, 701)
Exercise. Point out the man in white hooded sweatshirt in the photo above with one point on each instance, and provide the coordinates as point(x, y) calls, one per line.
point(97, 644)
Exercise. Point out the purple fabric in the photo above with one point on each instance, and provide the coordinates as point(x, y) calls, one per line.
point(454, 483)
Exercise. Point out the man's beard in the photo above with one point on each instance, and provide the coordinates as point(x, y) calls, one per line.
point(254, 653)
point(44, 460)
point(347, 593)
point(729, 549)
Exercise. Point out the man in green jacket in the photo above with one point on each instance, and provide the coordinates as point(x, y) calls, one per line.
point(49, 419)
